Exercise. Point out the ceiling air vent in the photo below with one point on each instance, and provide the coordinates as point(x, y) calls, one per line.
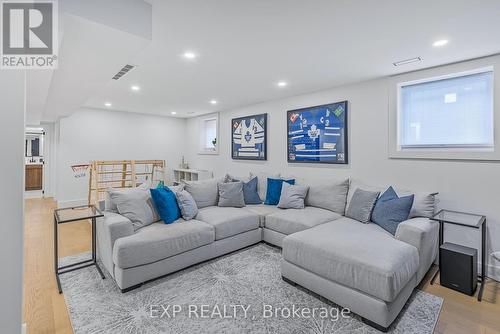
point(123, 71)
point(407, 61)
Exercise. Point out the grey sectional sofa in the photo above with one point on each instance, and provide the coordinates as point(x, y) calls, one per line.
point(355, 265)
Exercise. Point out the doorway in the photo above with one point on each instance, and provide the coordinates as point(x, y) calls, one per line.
point(34, 162)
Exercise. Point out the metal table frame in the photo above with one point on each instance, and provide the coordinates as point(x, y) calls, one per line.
point(82, 264)
point(482, 224)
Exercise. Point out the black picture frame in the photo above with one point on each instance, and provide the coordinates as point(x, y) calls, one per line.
point(261, 147)
point(343, 134)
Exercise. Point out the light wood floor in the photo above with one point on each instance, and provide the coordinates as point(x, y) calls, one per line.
point(45, 310)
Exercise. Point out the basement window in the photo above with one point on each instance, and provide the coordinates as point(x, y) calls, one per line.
point(209, 130)
point(447, 112)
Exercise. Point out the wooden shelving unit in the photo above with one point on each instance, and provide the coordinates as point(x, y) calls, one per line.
point(181, 174)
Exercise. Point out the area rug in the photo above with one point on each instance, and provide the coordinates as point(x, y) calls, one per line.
point(241, 292)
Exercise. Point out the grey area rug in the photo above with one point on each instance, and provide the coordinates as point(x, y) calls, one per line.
point(212, 297)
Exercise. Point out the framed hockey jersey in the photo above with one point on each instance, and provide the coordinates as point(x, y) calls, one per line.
point(318, 134)
point(249, 137)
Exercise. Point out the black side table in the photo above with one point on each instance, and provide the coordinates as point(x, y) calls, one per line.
point(467, 220)
point(68, 215)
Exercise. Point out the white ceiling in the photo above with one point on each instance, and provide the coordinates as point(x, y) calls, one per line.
point(245, 47)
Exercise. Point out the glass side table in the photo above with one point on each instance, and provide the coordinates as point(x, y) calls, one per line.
point(73, 214)
point(467, 220)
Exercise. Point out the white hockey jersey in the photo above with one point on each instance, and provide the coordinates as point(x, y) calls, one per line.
point(248, 135)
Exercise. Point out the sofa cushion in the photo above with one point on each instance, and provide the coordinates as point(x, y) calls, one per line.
point(423, 202)
point(231, 194)
point(274, 190)
point(262, 180)
point(110, 206)
point(204, 192)
point(329, 195)
point(165, 204)
point(361, 205)
point(159, 241)
point(228, 221)
point(360, 256)
point(292, 196)
point(136, 204)
point(234, 178)
point(187, 204)
point(390, 210)
point(250, 192)
point(263, 211)
point(293, 220)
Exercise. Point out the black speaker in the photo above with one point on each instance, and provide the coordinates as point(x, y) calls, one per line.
point(458, 267)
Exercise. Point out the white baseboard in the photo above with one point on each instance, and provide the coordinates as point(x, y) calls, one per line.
point(70, 203)
point(24, 330)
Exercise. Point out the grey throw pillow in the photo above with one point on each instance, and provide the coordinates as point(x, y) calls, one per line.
point(292, 196)
point(177, 188)
point(361, 205)
point(187, 205)
point(135, 204)
point(232, 178)
point(231, 194)
point(110, 206)
point(204, 192)
point(328, 195)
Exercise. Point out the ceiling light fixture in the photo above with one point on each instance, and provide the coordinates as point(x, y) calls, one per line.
point(282, 83)
point(407, 61)
point(213, 101)
point(107, 104)
point(441, 42)
point(173, 112)
point(135, 88)
point(189, 55)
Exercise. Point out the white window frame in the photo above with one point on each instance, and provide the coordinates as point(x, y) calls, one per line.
point(202, 134)
point(443, 152)
point(433, 79)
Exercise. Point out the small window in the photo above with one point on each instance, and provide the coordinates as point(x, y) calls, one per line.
point(448, 112)
point(208, 135)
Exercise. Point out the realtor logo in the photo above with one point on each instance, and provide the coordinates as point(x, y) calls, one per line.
point(29, 34)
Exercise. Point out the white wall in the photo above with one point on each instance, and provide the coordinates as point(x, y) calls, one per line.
point(91, 134)
point(463, 185)
point(12, 92)
point(49, 156)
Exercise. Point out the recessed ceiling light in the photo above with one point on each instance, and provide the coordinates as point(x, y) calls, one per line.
point(135, 87)
point(282, 83)
point(189, 55)
point(441, 42)
point(450, 98)
point(213, 101)
point(407, 61)
point(107, 104)
point(173, 112)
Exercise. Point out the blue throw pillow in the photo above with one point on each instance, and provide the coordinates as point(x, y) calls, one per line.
point(166, 204)
point(274, 190)
point(390, 210)
point(250, 193)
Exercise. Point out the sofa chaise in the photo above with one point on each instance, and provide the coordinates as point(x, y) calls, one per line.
point(355, 265)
